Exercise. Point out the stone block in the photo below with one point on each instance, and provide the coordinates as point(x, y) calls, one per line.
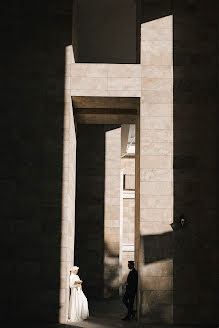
point(89, 70)
point(157, 84)
point(151, 228)
point(165, 175)
point(155, 149)
point(90, 92)
point(156, 214)
point(160, 314)
point(156, 123)
point(156, 59)
point(124, 93)
point(156, 298)
point(157, 47)
point(156, 188)
point(161, 201)
point(124, 83)
point(125, 70)
point(149, 33)
point(158, 162)
point(161, 23)
point(155, 283)
point(156, 136)
point(88, 83)
point(112, 223)
point(162, 268)
point(157, 72)
point(62, 295)
point(157, 97)
point(129, 183)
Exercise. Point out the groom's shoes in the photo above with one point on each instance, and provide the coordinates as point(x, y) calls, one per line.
point(127, 317)
point(133, 314)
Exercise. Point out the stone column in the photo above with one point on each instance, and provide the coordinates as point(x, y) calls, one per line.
point(156, 171)
point(112, 211)
point(68, 194)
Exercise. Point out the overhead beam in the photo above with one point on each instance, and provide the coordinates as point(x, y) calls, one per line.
point(105, 118)
point(105, 102)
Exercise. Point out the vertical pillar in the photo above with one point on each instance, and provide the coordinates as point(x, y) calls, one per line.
point(68, 194)
point(121, 233)
point(112, 211)
point(156, 172)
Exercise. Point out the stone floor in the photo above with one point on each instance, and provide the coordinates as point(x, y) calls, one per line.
point(107, 314)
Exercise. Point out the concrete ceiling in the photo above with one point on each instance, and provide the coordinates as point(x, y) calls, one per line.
point(105, 110)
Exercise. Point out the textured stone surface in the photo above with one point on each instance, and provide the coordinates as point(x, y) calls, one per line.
point(195, 99)
point(156, 169)
point(68, 199)
point(89, 238)
point(176, 141)
point(112, 210)
point(33, 98)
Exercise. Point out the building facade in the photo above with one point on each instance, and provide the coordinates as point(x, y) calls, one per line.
point(79, 73)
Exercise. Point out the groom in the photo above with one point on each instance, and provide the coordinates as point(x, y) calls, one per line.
point(131, 290)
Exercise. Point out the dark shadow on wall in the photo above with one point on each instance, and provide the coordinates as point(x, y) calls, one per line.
point(195, 98)
point(111, 273)
point(195, 101)
point(106, 31)
point(32, 98)
point(89, 216)
point(158, 247)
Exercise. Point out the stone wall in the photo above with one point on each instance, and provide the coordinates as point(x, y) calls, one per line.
point(195, 258)
point(156, 170)
point(97, 208)
point(128, 235)
point(33, 102)
point(175, 264)
point(89, 220)
point(112, 211)
point(68, 194)
point(103, 26)
point(176, 148)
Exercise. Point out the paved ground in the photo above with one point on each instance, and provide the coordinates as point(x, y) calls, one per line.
point(106, 314)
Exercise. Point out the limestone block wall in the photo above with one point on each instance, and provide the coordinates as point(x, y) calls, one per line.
point(156, 171)
point(196, 270)
point(128, 235)
point(105, 80)
point(100, 40)
point(89, 216)
point(112, 211)
point(112, 80)
point(33, 89)
point(68, 194)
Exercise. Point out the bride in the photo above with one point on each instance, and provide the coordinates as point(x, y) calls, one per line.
point(78, 306)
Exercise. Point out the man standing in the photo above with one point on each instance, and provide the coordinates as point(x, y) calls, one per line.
point(131, 290)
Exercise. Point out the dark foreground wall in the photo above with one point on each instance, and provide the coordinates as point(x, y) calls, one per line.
point(195, 111)
point(106, 31)
point(89, 215)
point(195, 248)
point(96, 245)
point(32, 101)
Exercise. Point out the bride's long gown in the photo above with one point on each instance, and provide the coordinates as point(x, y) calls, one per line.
point(78, 306)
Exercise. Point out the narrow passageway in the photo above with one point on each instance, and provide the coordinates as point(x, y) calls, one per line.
point(106, 314)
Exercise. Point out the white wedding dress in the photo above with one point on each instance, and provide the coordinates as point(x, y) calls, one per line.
point(78, 305)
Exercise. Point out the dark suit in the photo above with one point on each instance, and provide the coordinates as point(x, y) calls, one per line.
point(131, 290)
